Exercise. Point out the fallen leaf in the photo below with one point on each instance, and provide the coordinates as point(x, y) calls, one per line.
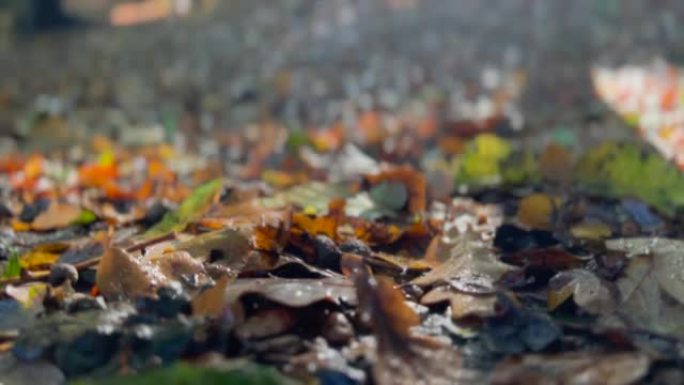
point(462, 304)
point(192, 208)
point(469, 257)
point(211, 302)
point(587, 290)
point(537, 211)
point(652, 287)
point(58, 215)
point(121, 274)
point(556, 164)
point(581, 368)
point(402, 358)
point(294, 292)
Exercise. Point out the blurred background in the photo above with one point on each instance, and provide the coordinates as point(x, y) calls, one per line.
point(178, 70)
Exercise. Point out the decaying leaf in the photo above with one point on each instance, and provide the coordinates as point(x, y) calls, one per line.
point(584, 368)
point(652, 287)
point(469, 257)
point(470, 274)
point(587, 290)
point(402, 358)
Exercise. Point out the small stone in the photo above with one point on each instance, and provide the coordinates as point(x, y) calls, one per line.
point(82, 302)
point(327, 253)
point(155, 214)
point(61, 272)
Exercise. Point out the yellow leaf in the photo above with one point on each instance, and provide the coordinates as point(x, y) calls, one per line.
point(593, 231)
point(38, 260)
point(537, 210)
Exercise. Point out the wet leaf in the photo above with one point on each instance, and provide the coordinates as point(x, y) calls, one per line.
point(652, 288)
point(294, 292)
point(587, 290)
point(469, 258)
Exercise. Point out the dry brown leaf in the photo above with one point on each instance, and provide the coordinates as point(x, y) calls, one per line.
point(582, 368)
point(211, 302)
point(556, 164)
point(462, 304)
point(58, 215)
point(181, 266)
point(402, 358)
point(469, 258)
point(121, 274)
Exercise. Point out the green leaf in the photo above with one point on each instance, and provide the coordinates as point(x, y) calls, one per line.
point(192, 208)
point(626, 170)
point(481, 162)
point(87, 217)
point(13, 267)
point(184, 374)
